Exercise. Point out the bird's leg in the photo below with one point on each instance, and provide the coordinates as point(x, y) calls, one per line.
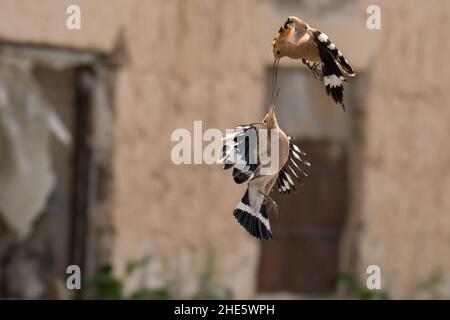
point(313, 70)
point(272, 203)
point(316, 70)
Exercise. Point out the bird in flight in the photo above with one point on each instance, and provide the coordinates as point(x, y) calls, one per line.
point(261, 154)
point(297, 40)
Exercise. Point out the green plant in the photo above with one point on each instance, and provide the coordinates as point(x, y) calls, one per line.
point(359, 290)
point(432, 285)
point(107, 286)
point(207, 288)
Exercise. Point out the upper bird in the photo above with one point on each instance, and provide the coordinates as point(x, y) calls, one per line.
point(297, 40)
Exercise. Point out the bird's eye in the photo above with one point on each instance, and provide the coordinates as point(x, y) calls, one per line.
point(278, 52)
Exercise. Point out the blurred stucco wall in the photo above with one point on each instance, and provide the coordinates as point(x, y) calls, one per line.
point(188, 60)
point(405, 211)
point(207, 60)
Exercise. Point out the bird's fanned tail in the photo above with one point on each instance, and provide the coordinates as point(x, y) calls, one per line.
point(252, 213)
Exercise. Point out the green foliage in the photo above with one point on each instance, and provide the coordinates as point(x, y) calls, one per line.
point(207, 289)
point(432, 286)
point(154, 294)
point(360, 291)
point(106, 285)
point(132, 266)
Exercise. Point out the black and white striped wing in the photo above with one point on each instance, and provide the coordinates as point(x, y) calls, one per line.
point(290, 174)
point(240, 153)
point(331, 74)
point(326, 44)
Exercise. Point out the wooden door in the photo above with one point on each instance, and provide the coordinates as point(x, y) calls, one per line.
point(303, 256)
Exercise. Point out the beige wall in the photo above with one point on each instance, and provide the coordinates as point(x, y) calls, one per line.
point(182, 69)
point(406, 178)
point(205, 60)
point(188, 61)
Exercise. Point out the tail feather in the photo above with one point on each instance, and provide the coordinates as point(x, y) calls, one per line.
point(332, 76)
point(251, 213)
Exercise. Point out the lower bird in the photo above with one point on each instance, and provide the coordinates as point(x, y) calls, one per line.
point(261, 154)
point(297, 40)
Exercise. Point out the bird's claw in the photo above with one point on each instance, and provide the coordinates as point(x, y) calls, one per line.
point(273, 207)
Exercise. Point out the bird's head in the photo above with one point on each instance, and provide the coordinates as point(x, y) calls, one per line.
point(270, 119)
point(293, 28)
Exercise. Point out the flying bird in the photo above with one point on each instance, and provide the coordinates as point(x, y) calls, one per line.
point(249, 151)
point(297, 40)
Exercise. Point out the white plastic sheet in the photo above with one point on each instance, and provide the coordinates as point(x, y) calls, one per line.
point(26, 122)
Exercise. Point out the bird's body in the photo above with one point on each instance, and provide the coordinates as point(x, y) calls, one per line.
point(265, 182)
point(261, 162)
point(298, 47)
point(296, 40)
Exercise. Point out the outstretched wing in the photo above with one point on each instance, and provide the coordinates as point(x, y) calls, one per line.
point(291, 172)
point(324, 43)
point(240, 152)
point(332, 62)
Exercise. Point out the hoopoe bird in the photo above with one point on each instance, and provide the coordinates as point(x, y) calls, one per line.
point(297, 40)
point(249, 151)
